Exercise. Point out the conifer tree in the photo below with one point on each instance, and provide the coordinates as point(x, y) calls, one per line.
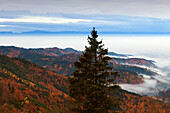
point(90, 82)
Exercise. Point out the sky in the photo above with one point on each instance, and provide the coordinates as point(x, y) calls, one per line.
point(81, 15)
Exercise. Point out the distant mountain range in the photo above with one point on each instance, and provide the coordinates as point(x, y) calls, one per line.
point(77, 32)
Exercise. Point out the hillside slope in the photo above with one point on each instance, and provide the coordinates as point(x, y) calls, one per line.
point(26, 86)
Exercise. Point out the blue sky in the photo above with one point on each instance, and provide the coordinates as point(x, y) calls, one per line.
point(81, 15)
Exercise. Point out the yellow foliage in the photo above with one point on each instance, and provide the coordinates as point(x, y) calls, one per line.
point(27, 101)
point(25, 98)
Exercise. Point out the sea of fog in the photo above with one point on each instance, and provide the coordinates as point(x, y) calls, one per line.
point(150, 47)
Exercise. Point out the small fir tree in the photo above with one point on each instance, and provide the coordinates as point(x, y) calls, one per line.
point(90, 82)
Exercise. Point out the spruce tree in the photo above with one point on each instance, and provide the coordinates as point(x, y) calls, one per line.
point(90, 81)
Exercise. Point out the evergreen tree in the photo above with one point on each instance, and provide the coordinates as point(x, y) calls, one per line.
point(90, 82)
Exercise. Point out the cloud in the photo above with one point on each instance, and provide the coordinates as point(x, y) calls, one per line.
point(109, 23)
point(142, 8)
point(25, 20)
point(43, 20)
point(148, 87)
point(4, 25)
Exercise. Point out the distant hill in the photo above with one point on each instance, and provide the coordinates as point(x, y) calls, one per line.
point(62, 62)
point(13, 51)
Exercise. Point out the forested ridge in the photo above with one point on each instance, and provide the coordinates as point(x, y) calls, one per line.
point(62, 62)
